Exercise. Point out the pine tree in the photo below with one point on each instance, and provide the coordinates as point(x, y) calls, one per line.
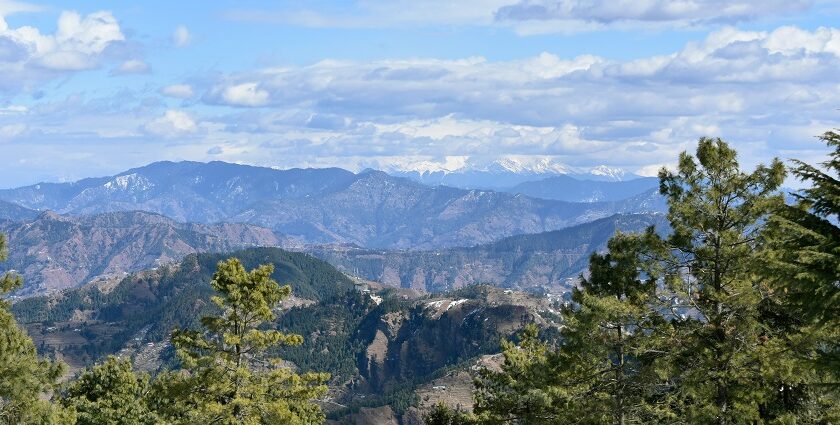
point(602, 370)
point(609, 341)
point(229, 378)
point(524, 391)
point(803, 266)
point(24, 378)
point(442, 414)
point(109, 393)
point(716, 212)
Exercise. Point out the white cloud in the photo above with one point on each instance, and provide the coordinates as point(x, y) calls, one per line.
point(90, 35)
point(28, 56)
point(181, 91)
point(181, 37)
point(529, 16)
point(245, 94)
point(682, 13)
point(13, 110)
point(743, 85)
point(768, 92)
point(132, 66)
point(8, 7)
point(172, 124)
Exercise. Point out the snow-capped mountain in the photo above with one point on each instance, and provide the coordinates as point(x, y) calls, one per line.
point(497, 173)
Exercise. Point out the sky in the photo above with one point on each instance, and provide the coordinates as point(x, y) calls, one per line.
point(94, 88)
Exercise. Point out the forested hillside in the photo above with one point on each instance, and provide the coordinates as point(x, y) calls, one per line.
point(543, 262)
point(371, 344)
point(723, 310)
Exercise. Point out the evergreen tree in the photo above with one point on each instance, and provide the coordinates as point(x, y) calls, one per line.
point(442, 414)
point(803, 265)
point(602, 370)
point(716, 211)
point(228, 377)
point(24, 378)
point(109, 393)
point(524, 390)
point(609, 340)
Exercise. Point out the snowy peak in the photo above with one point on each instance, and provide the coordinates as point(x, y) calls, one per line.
point(609, 173)
point(497, 173)
point(534, 165)
point(527, 165)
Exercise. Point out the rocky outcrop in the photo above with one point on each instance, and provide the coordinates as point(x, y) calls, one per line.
point(408, 345)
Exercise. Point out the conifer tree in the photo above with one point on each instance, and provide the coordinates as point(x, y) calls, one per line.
point(524, 391)
point(24, 378)
point(610, 337)
point(229, 377)
point(716, 211)
point(110, 393)
point(442, 414)
point(803, 266)
point(602, 368)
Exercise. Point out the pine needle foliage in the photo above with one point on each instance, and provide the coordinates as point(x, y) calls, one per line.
point(228, 377)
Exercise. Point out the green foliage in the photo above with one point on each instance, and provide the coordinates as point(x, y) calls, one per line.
point(24, 378)
point(602, 371)
point(227, 377)
point(716, 212)
point(177, 296)
point(802, 266)
point(525, 390)
point(109, 393)
point(719, 322)
point(442, 414)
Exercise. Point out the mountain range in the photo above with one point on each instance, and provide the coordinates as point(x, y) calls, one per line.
point(570, 189)
point(501, 173)
point(385, 350)
point(54, 252)
point(371, 209)
point(542, 262)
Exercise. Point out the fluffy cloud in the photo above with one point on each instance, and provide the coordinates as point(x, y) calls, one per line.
point(244, 94)
point(173, 123)
point(749, 86)
point(27, 56)
point(768, 92)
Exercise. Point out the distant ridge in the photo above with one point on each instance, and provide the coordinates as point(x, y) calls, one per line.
point(55, 252)
point(370, 209)
point(541, 262)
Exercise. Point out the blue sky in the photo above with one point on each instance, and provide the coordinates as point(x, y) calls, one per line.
point(94, 88)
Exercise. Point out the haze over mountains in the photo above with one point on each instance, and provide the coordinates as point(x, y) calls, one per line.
point(370, 209)
point(97, 230)
point(54, 252)
point(541, 262)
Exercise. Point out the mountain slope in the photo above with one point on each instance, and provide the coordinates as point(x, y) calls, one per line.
point(542, 262)
point(371, 209)
point(184, 191)
point(378, 347)
point(54, 252)
point(566, 188)
point(14, 212)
